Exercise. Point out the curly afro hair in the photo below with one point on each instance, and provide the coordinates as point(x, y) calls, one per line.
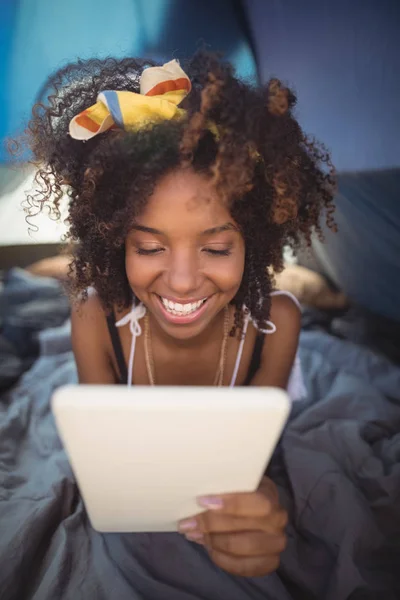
point(276, 182)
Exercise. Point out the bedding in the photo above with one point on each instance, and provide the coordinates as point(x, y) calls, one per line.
point(337, 468)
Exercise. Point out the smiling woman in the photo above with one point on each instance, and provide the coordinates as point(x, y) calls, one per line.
point(183, 191)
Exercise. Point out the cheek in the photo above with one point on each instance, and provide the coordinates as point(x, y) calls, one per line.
point(228, 273)
point(139, 272)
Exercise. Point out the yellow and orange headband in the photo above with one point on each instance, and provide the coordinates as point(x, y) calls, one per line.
point(162, 89)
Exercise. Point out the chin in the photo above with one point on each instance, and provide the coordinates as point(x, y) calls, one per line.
point(182, 332)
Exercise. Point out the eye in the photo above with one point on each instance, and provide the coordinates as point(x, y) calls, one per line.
point(148, 251)
point(222, 252)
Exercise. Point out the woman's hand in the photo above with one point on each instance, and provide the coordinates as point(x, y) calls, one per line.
point(244, 533)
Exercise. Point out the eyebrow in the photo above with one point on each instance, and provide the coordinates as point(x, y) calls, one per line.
point(147, 229)
point(220, 229)
point(212, 231)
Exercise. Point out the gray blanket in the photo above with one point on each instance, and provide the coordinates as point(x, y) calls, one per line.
point(337, 468)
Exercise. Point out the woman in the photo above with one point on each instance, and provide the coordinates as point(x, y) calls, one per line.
point(184, 188)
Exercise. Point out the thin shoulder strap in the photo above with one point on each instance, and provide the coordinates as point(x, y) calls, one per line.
point(255, 358)
point(240, 351)
point(259, 343)
point(117, 347)
point(289, 294)
point(132, 318)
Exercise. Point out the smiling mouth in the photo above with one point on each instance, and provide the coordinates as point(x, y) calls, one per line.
point(181, 310)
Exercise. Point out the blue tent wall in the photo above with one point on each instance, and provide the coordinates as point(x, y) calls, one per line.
point(39, 37)
point(9, 11)
point(343, 59)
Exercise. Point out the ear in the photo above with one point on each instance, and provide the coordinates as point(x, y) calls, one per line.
point(278, 98)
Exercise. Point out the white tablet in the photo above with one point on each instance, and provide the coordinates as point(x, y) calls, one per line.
point(142, 455)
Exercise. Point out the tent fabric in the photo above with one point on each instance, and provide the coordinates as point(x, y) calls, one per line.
point(364, 257)
point(37, 38)
point(343, 60)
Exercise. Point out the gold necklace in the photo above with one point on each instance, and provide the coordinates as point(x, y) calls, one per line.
point(219, 376)
point(148, 352)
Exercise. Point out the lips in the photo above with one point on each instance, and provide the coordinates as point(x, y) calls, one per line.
point(181, 310)
point(182, 313)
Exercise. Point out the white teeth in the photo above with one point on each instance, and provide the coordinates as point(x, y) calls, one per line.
point(178, 309)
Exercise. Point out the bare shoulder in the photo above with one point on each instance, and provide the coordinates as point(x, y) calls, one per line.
point(88, 320)
point(90, 341)
point(280, 348)
point(88, 310)
point(285, 313)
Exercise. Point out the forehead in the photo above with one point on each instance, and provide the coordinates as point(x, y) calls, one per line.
point(184, 198)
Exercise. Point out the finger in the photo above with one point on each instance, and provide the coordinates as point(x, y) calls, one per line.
point(212, 522)
point(251, 543)
point(245, 566)
point(252, 504)
point(216, 522)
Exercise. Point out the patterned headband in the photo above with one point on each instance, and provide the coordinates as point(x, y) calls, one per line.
point(162, 89)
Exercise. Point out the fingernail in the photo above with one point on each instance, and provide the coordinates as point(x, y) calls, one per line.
point(187, 525)
point(211, 502)
point(195, 536)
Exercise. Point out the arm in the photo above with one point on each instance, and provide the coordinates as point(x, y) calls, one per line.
point(280, 348)
point(90, 343)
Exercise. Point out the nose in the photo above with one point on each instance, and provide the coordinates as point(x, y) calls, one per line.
point(183, 276)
